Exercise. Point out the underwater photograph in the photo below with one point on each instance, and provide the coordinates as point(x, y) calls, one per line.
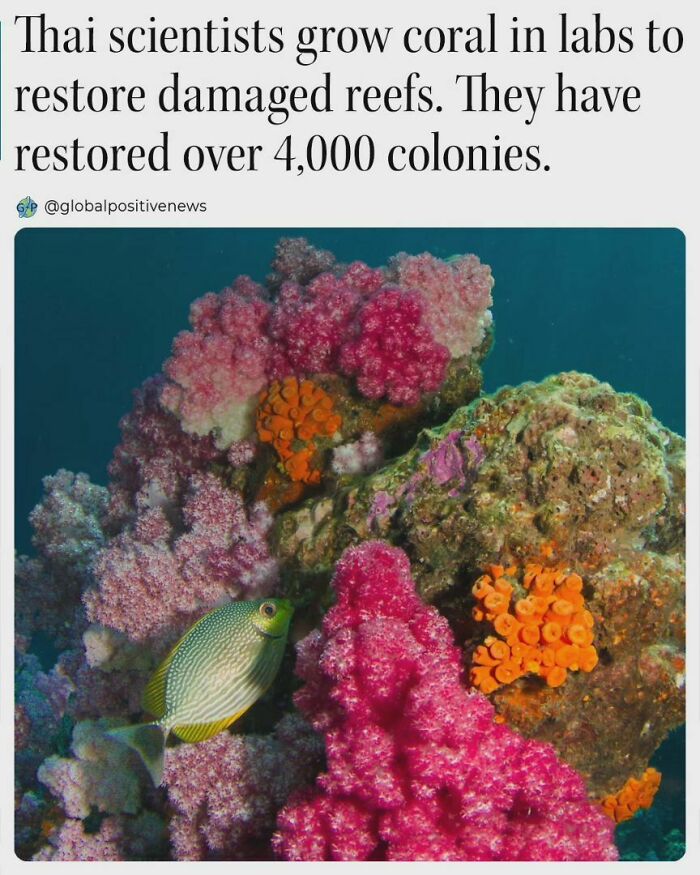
point(350, 544)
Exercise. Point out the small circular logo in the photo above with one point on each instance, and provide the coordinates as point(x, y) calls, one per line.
point(26, 208)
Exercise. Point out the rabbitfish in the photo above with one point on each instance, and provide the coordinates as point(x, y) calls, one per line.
point(218, 669)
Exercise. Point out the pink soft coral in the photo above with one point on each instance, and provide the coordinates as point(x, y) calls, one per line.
point(154, 580)
point(219, 366)
point(393, 352)
point(67, 532)
point(457, 294)
point(70, 842)
point(417, 768)
point(155, 458)
point(225, 792)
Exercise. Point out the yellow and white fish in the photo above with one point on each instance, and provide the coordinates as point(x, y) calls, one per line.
point(217, 670)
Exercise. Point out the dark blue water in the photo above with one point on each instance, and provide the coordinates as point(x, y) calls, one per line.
point(96, 311)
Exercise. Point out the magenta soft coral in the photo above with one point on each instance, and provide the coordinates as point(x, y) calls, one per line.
point(310, 323)
point(416, 767)
point(393, 352)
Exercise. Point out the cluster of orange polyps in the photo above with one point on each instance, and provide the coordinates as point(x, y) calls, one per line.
point(637, 793)
point(548, 633)
point(290, 415)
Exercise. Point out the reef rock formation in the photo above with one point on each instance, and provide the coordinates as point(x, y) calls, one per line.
point(568, 471)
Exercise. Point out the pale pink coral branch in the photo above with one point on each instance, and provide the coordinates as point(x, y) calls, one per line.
point(457, 293)
point(218, 367)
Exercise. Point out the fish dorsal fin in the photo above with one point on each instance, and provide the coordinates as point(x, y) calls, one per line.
point(202, 731)
point(153, 699)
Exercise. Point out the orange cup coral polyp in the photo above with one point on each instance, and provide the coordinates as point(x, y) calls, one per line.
point(290, 414)
point(637, 793)
point(547, 633)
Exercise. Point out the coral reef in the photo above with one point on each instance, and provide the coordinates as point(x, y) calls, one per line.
point(333, 405)
point(457, 292)
point(218, 368)
point(97, 775)
point(316, 317)
point(393, 353)
point(417, 768)
point(567, 469)
point(67, 531)
point(297, 261)
point(358, 457)
point(152, 465)
point(658, 833)
point(41, 700)
point(293, 413)
point(117, 838)
point(310, 324)
point(151, 580)
point(71, 842)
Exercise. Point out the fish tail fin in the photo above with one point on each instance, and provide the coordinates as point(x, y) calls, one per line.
point(148, 740)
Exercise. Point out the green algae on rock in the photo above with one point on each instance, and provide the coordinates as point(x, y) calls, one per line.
point(568, 459)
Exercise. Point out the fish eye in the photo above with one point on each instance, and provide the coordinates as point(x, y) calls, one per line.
point(268, 609)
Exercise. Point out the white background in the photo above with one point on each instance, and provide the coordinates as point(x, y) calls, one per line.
point(607, 170)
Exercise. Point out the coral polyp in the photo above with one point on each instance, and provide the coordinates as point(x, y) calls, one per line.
point(290, 415)
point(547, 633)
point(637, 793)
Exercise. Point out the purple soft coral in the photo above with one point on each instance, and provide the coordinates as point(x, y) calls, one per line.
point(153, 581)
point(417, 768)
point(152, 464)
point(67, 532)
point(226, 791)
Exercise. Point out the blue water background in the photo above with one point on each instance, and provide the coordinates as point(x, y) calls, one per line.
point(96, 311)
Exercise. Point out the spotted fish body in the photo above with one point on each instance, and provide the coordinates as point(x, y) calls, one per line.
point(218, 669)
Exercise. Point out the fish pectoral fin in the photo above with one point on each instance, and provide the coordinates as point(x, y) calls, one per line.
point(202, 731)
